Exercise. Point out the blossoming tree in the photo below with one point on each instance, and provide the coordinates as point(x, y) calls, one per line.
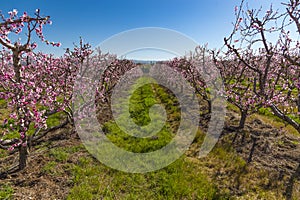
point(275, 64)
point(34, 85)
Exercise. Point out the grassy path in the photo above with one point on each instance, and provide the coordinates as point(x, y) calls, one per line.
point(181, 180)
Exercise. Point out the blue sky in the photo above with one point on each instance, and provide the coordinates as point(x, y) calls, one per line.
point(205, 21)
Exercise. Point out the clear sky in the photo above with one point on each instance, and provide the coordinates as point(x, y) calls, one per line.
point(205, 21)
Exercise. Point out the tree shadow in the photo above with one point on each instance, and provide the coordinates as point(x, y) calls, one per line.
point(290, 186)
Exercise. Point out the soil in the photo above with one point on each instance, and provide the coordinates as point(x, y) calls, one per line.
point(33, 182)
point(274, 149)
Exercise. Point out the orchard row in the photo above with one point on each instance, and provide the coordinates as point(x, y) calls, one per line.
point(256, 72)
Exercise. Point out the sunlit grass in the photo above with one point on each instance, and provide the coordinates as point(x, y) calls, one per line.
point(181, 180)
point(6, 192)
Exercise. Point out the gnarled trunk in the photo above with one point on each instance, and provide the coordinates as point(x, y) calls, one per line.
point(23, 156)
point(298, 103)
point(243, 119)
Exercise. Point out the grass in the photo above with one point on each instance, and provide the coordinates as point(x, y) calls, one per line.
point(142, 99)
point(186, 178)
point(3, 153)
point(182, 179)
point(59, 159)
point(138, 145)
point(61, 154)
point(50, 168)
point(6, 192)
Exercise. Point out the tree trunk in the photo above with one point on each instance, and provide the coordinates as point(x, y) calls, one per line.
point(298, 104)
point(209, 105)
point(243, 119)
point(22, 156)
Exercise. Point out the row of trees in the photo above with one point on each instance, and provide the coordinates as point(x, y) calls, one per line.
point(33, 85)
point(257, 72)
point(260, 70)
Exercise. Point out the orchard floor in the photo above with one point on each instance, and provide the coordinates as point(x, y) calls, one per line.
point(59, 167)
